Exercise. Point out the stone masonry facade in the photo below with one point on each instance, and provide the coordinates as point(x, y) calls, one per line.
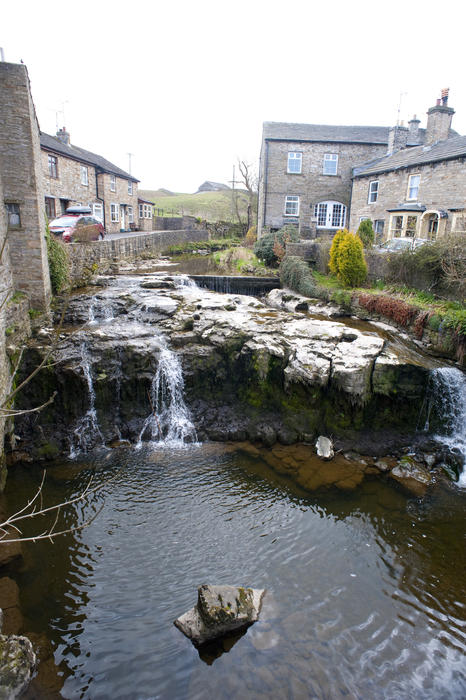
point(442, 187)
point(311, 185)
point(23, 195)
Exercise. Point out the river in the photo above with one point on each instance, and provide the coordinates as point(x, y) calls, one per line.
point(365, 587)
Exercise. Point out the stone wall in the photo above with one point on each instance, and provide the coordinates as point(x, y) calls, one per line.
point(21, 169)
point(310, 185)
point(174, 223)
point(5, 291)
point(442, 186)
point(100, 256)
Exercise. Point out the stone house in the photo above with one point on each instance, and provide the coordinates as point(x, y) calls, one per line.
point(145, 214)
point(317, 177)
point(415, 192)
point(72, 175)
point(305, 173)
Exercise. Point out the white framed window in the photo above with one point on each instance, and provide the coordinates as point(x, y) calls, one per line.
point(130, 215)
point(330, 215)
point(363, 218)
point(141, 211)
point(130, 187)
point(84, 175)
point(98, 211)
point(13, 215)
point(413, 186)
point(330, 166)
point(53, 166)
point(403, 225)
point(373, 191)
point(112, 183)
point(379, 226)
point(291, 205)
point(114, 212)
point(147, 211)
point(295, 161)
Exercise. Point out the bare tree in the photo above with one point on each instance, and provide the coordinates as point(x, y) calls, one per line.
point(250, 181)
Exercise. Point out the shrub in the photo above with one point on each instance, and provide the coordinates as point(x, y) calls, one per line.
point(335, 251)
point(296, 274)
point(391, 307)
point(352, 268)
point(251, 236)
point(366, 233)
point(268, 245)
point(59, 264)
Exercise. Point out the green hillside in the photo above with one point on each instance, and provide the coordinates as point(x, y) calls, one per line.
point(212, 206)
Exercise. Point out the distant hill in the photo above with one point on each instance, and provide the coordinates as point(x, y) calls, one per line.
point(212, 206)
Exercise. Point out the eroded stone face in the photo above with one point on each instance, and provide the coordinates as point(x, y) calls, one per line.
point(17, 664)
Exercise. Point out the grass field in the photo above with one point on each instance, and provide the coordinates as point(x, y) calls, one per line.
point(212, 206)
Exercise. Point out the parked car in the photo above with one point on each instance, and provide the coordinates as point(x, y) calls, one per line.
point(77, 224)
point(396, 245)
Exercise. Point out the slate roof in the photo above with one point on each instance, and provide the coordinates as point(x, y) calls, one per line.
point(454, 147)
point(285, 131)
point(51, 143)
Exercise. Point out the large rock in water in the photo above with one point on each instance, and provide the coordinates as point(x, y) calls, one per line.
point(17, 664)
point(219, 611)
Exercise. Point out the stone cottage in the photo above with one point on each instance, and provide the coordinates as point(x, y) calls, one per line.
point(415, 192)
point(317, 177)
point(72, 175)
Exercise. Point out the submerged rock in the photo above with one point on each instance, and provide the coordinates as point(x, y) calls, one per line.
point(219, 611)
point(412, 476)
point(17, 664)
point(324, 447)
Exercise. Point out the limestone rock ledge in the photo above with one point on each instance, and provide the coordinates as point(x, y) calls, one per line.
point(219, 611)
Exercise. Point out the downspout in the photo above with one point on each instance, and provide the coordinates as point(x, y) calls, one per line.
point(97, 194)
point(349, 204)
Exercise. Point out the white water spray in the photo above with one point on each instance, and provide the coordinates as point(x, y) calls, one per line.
point(87, 430)
point(448, 400)
point(169, 422)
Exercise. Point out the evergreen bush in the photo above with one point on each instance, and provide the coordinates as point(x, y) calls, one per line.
point(296, 274)
point(333, 263)
point(366, 233)
point(352, 267)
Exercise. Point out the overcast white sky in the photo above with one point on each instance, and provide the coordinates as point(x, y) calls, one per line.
point(185, 85)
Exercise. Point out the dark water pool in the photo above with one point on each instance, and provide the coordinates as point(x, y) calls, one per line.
point(366, 594)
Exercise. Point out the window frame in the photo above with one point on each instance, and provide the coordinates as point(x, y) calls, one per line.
point(99, 206)
point(52, 162)
point(294, 157)
point(9, 206)
point(130, 214)
point(291, 199)
point(373, 193)
point(130, 187)
point(84, 175)
point(114, 212)
point(409, 196)
point(112, 183)
point(141, 210)
point(50, 208)
point(325, 211)
point(330, 158)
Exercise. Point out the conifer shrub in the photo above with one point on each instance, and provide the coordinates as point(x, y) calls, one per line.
point(366, 233)
point(347, 259)
point(333, 264)
point(251, 236)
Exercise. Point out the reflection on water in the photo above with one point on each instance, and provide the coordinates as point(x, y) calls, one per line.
point(365, 588)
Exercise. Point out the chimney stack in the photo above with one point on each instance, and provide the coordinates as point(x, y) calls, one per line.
point(414, 130)
point(439, 120)
point(397, 138)
point(63, 136)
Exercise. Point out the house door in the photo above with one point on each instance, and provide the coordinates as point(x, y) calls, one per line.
point(122, 218)
point(330, 215)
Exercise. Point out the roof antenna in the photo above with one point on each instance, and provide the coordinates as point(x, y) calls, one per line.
point(402, 94)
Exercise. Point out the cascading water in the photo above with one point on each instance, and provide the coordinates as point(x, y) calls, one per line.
point(169, 422)
point(87, 430)
point(447, 403)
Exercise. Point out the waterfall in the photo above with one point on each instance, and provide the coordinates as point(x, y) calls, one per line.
point(447, 393)
point(169, 422)
point(87, 429)
point(104, 311)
